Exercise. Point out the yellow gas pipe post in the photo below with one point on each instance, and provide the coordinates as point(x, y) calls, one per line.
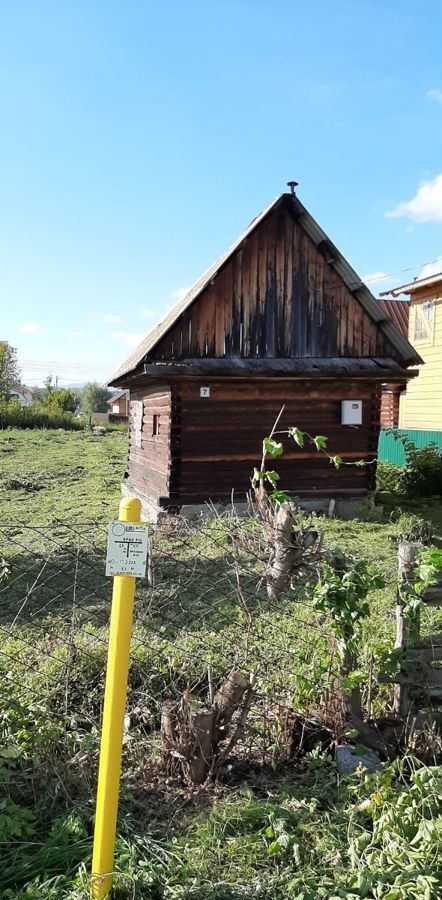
point(113, 720)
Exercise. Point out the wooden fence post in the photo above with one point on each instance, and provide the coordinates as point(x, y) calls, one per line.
point(407, 631)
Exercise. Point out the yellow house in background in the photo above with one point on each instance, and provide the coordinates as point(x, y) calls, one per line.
point(420, 405)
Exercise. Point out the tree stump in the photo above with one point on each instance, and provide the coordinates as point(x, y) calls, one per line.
point(290, 548)
point(192, 732)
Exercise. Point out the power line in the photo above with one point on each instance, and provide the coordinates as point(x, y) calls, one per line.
point(431, 262)
point(38, 363)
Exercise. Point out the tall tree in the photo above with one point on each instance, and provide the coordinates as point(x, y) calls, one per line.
point(52, 401)
point(9, 369)
point(94, 398)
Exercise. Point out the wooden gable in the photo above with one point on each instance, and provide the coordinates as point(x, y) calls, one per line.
point(281, 295)
point(276, 297)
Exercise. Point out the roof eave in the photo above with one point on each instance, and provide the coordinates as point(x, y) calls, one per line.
point(372, 369)
point(413, 286)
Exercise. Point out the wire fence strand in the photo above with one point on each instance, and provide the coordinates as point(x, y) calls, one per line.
point(202, 613)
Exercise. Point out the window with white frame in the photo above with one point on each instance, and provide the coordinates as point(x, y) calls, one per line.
point(424, 321)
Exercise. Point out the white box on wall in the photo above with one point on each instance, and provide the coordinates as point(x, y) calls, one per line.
point(351, 412)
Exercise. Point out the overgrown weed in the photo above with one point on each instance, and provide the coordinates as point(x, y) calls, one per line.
point(287, 831)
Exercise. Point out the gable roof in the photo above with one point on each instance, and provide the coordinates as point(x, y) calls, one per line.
point(349, 277)
point(116, 397)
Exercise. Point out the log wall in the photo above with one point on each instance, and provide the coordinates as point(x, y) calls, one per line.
point(216, 442)
point(149, 455)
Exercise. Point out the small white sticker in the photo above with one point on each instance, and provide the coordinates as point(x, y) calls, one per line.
point(205, 392)
point(126, 549)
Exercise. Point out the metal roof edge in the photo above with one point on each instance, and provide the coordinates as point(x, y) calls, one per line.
point(413, 286)
point(356, 286)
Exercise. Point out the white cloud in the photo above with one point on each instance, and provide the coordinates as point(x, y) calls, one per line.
point(32, 328)
point(432, 268)
point(179, 294)
point(127, 338)
point(435, 94)
point(147, 313)
point(85, 334)
point(425, 206)
point(111, 318)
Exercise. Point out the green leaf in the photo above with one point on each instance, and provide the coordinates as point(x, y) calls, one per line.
point(11, 752)
point(320, 442)
point(274, 847)
point(353, 679)
point(336, 461)
point(272, 447)
point(297, 435)
point(272, 477)
point(361, 463)
point(280, 497)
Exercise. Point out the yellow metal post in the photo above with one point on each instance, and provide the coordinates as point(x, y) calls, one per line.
point(113, 720)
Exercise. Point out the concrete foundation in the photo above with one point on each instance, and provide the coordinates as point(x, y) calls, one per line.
point(341, 507)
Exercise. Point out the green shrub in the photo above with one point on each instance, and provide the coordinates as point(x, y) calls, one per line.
point(422, 476)
point(56, 401)
point(116, 426)
point(14, 416)
point(390, 478)
point(423, 473)
point(411, 527)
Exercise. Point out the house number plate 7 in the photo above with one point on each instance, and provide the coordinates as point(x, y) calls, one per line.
point(204, 392)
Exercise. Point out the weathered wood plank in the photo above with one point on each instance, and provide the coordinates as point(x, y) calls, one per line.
point(280, 295)
point(405, 632)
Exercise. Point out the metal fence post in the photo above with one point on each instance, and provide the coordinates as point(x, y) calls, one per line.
point(113, 720)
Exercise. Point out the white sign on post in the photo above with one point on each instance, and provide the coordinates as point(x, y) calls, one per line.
point(126, 549)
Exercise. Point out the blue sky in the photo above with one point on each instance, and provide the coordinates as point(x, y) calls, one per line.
point(138, 139)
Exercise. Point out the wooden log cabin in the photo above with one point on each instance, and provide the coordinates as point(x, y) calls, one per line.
point(280, 319)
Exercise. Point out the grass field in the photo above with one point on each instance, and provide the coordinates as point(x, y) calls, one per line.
point(47, 475)
point(270, 829)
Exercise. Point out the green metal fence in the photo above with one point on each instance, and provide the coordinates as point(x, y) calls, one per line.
point(391, 450)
